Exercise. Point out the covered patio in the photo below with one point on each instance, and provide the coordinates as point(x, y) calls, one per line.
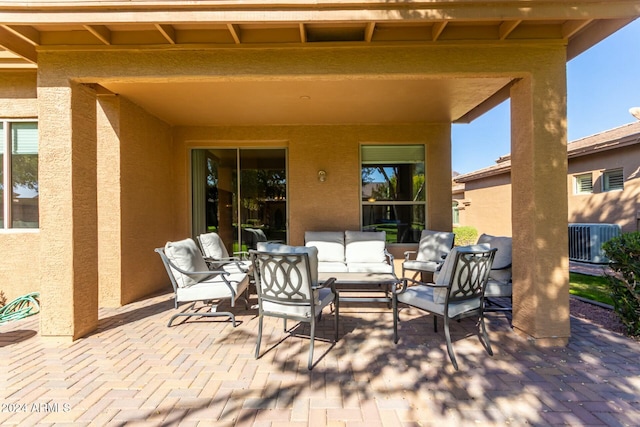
point(133, 370)
point(124, 92)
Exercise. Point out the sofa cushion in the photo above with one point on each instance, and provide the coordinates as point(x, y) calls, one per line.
point(365, 246)
point(185, 255)
point(279, 248)
point(504, 246)
point(369, 267)
point(330, 244)
point(332, 267)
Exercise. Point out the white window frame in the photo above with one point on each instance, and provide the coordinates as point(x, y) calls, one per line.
point(577, 183)
point(606, 175)
point(7, 176)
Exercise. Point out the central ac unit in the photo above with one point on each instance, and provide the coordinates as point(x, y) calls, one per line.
point(585, 241)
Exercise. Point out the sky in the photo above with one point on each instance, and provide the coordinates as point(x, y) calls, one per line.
point(602, 84)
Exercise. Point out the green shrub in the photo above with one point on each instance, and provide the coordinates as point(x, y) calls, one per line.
point(465, 235)
point(624, 256)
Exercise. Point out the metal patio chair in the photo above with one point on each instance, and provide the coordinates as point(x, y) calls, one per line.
point(458, 292)
point(194, 282)
point(432, 250)
point(287, 285)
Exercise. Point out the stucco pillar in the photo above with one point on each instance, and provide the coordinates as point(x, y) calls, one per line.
point(539, 207)
point(109, 204)
point(438, 175)
point(68, 214)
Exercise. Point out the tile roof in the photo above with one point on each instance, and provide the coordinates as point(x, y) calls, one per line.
point(621, 136)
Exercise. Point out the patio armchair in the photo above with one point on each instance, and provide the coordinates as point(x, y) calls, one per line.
point(193, 282)
point(499, 284)
point(458, 292)
point(287, 286)
point(216, 254)
point(432, 250)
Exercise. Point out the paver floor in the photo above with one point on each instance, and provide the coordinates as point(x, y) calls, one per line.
point(134, 370)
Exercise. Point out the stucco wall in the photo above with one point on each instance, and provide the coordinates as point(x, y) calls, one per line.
point(313, 205)
point(20, 262)
point(616, 207)
point(135, 200)
point(487, 205)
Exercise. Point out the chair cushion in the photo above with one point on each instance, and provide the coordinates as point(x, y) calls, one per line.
point(311, 251)
point(330, 244)
point(365, 246)
point(214, 287)
point(498, 289)
point(503, 257)
point(422, 296)
point(501, 276)
point(323, 297)
point(212, 246)
point(434, 245)
point(431, 266)
point(185, 255)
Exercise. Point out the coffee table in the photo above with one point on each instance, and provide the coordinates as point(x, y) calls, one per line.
point(363, 282)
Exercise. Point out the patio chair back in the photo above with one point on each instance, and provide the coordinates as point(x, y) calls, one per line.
point(286, 280)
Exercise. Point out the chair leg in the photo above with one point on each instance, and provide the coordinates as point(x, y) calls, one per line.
point(447, 336)
point(313, 334)
point(484, 337)
point(435, 323)
point(395, 318)
point(336, 312)
point(259, 335)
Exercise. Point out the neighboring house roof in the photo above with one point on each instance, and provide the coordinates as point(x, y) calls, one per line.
point(622, 136)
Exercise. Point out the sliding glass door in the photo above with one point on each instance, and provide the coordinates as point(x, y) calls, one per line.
point(240, 194)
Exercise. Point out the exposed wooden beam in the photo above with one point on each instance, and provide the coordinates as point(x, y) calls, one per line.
point(28, 34)
point(593, 34)
point(17, 45)
point(167, 31)
point(235, 31)
point(101, 32)
point(569, 28)
point(437, 29)
point(507, 27)
point(303, 33)
point(368, 32)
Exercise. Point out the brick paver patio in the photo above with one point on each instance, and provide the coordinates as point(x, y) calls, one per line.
point(135, 371)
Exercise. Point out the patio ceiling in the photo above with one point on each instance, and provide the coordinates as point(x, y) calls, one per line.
point(29, 27)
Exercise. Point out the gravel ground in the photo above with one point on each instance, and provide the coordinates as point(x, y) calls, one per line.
point(601, 316)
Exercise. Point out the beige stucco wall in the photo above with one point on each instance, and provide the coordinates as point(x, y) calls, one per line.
point(335, 203)
point(486, 205)
point(20, 262)
point(135, 200)
point(614, 207)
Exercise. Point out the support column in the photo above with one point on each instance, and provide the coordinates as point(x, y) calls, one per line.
point(68, 214)
point(539, 204)
point(438, 170)
point(109, 200)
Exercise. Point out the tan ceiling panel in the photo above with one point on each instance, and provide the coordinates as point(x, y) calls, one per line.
point(309, 102)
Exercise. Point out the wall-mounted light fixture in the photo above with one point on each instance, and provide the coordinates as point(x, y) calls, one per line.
point(635, 112)
point(322, 176)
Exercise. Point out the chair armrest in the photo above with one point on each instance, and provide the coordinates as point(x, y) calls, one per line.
point(330, 282)
point(389, 256)
point(407, 254)
point(405, 285)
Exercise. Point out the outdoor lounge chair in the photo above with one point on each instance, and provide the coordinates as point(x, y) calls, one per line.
point(216, 254)
point(458, 292)
point(193, 282)
point(499, 284)
point(288, 288)
point(432, 250)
